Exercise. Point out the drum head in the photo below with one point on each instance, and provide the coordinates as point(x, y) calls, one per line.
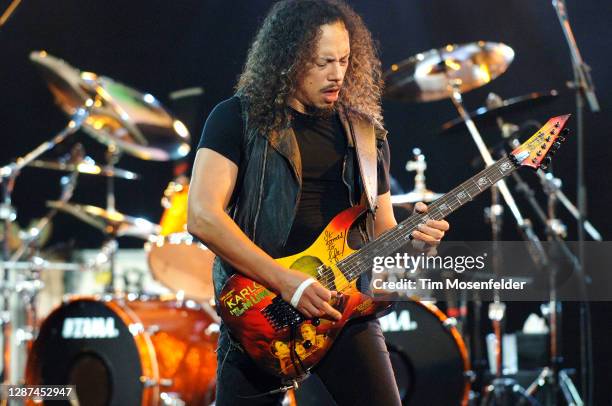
point(429, 358)
point(183, 265)
point(86, 344)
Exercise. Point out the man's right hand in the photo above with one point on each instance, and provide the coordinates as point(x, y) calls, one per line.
point(315, 299)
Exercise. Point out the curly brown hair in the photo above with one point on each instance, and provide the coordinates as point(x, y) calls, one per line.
point(283, 50)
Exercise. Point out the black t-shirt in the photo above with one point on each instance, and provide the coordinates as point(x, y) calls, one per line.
point(322, 145)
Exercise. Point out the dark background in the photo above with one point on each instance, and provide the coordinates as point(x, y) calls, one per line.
point(162, 46)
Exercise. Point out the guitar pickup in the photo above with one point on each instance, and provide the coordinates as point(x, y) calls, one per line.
point(281, 314)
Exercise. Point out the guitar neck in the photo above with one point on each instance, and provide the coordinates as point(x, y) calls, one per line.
point(393, 239)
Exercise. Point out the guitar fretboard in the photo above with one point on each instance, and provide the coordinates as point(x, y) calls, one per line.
point(393, 239)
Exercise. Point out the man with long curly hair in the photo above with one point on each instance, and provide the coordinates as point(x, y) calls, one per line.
point(300, 141)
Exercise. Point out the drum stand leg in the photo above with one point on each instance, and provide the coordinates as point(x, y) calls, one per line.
point(503, 391)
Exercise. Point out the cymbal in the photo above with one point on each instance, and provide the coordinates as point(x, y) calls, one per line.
point(109, 221)
point(429, 76)
point(88, 167)
point(134, 122)
point(425, 196)
point(483, 113)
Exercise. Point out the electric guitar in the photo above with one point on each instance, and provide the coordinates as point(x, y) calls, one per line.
point(284, 342)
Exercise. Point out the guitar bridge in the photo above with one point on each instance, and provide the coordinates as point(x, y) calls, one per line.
point(281, 314)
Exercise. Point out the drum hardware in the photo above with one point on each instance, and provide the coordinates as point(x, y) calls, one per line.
point(150, 382)
point(551, 376)
point(553, 379)
point(584, 89)
point(8, 12)
point(110, 222)
point(420, 193)
point(122, 117)
point(448, 73)
point(87, 166)
point(23, 304)
point(426, 76)
point(450, 322)
point(493, 112)
point(171, 399)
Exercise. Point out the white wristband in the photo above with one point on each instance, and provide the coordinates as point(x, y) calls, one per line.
point(297, 295)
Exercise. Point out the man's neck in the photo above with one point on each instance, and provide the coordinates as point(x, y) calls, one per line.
point(311, 110)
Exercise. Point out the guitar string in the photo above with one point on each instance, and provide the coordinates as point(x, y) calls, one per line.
point(392, 237)
point(399, 235)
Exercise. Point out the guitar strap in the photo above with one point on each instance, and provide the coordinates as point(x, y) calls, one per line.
point(363, 137)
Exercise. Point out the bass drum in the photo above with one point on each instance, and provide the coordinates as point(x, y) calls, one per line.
point(128, 351)
point(428, 355)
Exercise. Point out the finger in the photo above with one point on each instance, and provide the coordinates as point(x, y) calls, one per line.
point(439, 224)
point(305, 312)
point(329, 310)
point(321, 292)
point(424, 237)
point(312, 310)
point(420, 207)
point(432, 232)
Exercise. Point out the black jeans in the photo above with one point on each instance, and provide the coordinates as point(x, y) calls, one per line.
point(356, 371)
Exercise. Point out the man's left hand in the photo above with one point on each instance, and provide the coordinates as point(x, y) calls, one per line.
point(432, 231)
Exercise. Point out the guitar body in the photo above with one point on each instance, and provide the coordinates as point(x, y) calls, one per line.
point(257, 317)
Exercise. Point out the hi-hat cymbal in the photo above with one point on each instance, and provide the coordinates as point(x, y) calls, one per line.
point(88, 167)
point(425, 196)
point(429, 76)
point(134, 122)
point(483, 113)
point(109, 221)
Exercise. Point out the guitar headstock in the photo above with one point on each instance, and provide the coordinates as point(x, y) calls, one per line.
point(537, 150)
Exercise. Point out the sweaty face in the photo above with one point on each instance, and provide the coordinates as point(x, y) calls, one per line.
point(319, 86)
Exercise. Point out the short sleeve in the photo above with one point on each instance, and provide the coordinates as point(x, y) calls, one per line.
point(223, 130)
point(384, 163)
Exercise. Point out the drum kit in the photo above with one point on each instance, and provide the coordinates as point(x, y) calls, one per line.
point(115, 347)
point(135, 348)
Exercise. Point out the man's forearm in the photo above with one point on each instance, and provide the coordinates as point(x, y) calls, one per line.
point(221, 234)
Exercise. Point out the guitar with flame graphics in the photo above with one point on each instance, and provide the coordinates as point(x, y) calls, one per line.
point(280, 339)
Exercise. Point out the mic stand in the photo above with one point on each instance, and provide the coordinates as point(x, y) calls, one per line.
point(584, 89)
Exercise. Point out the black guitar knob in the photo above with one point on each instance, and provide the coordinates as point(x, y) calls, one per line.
point(307, 344)
point(316, 321)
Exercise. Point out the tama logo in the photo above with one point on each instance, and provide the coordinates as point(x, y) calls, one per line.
point(89, 327)
point(394, 322)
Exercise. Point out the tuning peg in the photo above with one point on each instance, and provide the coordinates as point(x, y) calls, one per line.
point(556, 145)
point(561, 138)
point(565, 131)
point(546, 162)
